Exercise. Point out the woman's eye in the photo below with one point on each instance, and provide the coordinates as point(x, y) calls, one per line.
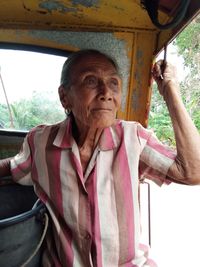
point(91, 81)
point(113, 83)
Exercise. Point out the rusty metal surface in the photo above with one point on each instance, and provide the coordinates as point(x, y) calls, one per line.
point(140, 87)
point(82, 14)
point(79, 14)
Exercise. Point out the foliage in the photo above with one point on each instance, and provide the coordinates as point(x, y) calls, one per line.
point(159, 119)
point(188, 46)
point(27, 113)
point(4, 115)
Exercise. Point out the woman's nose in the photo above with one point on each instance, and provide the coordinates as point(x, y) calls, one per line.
point(105, 93)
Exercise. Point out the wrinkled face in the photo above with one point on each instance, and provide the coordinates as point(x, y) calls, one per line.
point(95, 92)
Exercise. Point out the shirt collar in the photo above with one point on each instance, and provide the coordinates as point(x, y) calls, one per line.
point(110, 137)
point(64, 137)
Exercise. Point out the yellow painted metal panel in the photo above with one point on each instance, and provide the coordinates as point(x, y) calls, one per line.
point(81, 14)
point(86, 15)
point(140, 87)
point(25, 37)
point(129, 40)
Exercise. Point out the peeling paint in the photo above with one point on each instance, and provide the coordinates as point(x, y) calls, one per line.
point(139, 56)
point(86, 3)
point(136, 101)
point(32, 10)
point(105, 42)
point(55, 5)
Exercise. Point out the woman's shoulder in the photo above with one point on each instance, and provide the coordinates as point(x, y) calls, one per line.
point(130, 124)
point(135, 127)
point(43, 128)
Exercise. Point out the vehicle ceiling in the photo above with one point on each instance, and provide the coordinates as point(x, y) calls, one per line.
point(87, 14)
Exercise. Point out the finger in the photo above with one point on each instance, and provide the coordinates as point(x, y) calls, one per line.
point(156, 71)
point(159, 62)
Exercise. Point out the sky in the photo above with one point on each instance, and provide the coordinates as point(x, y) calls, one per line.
point(23, 72)
point(176, 60)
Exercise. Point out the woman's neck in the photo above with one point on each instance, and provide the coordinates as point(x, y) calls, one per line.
point(87, 139)
point(85, 135)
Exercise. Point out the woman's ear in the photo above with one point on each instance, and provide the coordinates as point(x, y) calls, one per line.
point(63, 97)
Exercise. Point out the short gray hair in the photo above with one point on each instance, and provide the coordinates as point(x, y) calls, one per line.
point(65, 80)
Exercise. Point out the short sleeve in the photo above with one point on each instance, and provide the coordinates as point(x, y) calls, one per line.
point(155, 159)
point(21, 164)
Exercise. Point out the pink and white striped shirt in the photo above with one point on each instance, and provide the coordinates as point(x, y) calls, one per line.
point(95, 215)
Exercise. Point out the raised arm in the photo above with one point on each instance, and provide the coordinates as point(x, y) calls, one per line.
point(5, 167)
point(186, 168)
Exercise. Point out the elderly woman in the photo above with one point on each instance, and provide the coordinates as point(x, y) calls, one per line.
point(87, 168)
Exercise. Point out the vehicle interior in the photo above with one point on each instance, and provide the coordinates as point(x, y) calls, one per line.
point(133, 32)
point(137, 32)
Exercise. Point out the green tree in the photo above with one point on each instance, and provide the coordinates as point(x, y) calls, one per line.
point(188, 46)
point(4, 115)
point(159, 119)
point(27, 113)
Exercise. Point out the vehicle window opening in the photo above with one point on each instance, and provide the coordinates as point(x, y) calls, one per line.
point(28, 88)
point(168, 201)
